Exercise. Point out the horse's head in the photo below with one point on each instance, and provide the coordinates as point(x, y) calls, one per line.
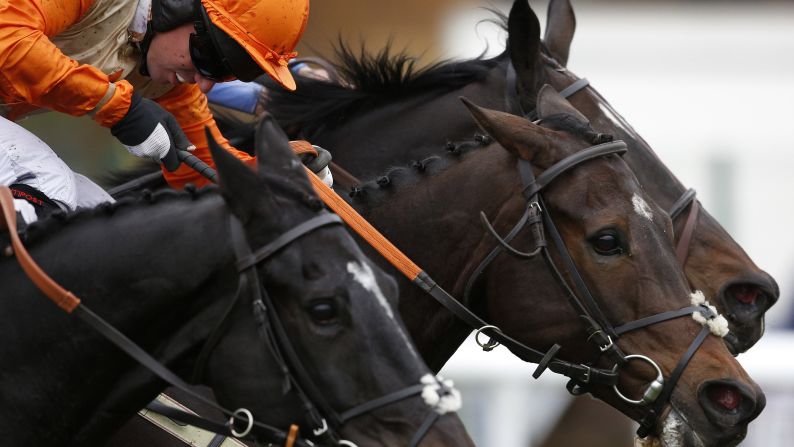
point(714, 263)
point(323, 344)
point(631, 310)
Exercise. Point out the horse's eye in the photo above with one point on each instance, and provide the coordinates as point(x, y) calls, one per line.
point(606, 244)
point(323, 312)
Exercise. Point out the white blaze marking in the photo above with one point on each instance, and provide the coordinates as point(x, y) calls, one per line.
point(641, 207)
point(362, 274)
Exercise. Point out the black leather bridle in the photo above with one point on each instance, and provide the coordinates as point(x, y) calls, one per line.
point(271, 330)
point(241, 424)
point(600, 331)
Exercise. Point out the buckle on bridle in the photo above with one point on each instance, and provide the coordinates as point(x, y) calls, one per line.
point(321, 430)
point(491, 343)
point(605, 347)
point(237, 413)
point(608, 345)
point(588, 374)
point(654, 389)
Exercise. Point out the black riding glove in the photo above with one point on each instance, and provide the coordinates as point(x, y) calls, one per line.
point(149, 131)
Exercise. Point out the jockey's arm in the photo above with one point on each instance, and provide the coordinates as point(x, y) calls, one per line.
point(33, 71)
point(189, 105)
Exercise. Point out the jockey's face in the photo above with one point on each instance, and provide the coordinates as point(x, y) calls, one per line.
point(168, 59)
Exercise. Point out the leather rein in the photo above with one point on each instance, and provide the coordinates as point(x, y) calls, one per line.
point(241, 423)
point(600, 331)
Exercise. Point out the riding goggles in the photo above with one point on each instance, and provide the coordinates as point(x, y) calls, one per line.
point(208, 62)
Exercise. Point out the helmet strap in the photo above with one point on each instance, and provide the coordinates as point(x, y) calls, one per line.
point(143, 46)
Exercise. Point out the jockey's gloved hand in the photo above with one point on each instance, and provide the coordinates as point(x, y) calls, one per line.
point(149, 131)
point(319, 165)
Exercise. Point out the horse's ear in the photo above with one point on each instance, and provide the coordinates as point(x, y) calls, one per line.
point(560, 26)
point(552, 103)
point(523, 46)
point(274, 153)
point(516, 134)
point(238, 182)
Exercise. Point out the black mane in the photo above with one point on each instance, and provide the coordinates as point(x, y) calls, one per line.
point(369, 80)
point(382, 187)
point(57, 220)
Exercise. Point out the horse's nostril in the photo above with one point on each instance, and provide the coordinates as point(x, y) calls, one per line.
point(745, 294)
point(730, 403)
point(725, 396)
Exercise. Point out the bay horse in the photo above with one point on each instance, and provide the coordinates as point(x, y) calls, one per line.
point(618, 239)
point(299, 331)
point(365, 127)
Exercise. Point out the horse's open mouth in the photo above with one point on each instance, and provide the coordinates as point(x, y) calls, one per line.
point(674, 432)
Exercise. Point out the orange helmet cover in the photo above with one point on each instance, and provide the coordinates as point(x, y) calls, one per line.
point(269, 30)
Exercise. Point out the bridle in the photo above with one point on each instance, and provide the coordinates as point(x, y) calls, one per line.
point(599, 330)
point(326, 421)
point(682, 247)
point(271, 332)
point(688, 197)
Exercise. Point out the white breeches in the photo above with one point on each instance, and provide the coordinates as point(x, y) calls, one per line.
point(26, 159)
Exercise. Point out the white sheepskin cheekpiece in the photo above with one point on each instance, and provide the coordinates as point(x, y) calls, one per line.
point(440, 394)
point(717, 325)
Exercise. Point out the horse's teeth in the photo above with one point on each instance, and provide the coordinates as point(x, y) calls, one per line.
point(180, 79)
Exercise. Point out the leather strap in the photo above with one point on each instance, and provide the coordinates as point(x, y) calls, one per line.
point(647, 424)
point(658, 318)
point(430, 419)
point(575, 87)
point(682, 248)
point(535, 186)
point(520, 350)
point(251, 259)
point(382, 402)
point(57, 294)
point(188, 418)
point(681, 203)
point(343, 177)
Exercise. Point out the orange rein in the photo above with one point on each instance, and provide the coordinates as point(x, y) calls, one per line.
point(68, 302)
point(364, 228)
point(57, 294)
point(355, 221)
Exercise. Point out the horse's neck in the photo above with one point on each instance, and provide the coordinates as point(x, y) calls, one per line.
point(435, 222)
point(410, 129)
point(142, 270)
point(656, 178)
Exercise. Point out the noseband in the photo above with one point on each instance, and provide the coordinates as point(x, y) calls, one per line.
point(600, 331)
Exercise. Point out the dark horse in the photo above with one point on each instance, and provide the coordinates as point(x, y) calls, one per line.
point(162, 270)
point(366, 129)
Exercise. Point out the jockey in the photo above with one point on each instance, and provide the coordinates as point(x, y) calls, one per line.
point(137, 67)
